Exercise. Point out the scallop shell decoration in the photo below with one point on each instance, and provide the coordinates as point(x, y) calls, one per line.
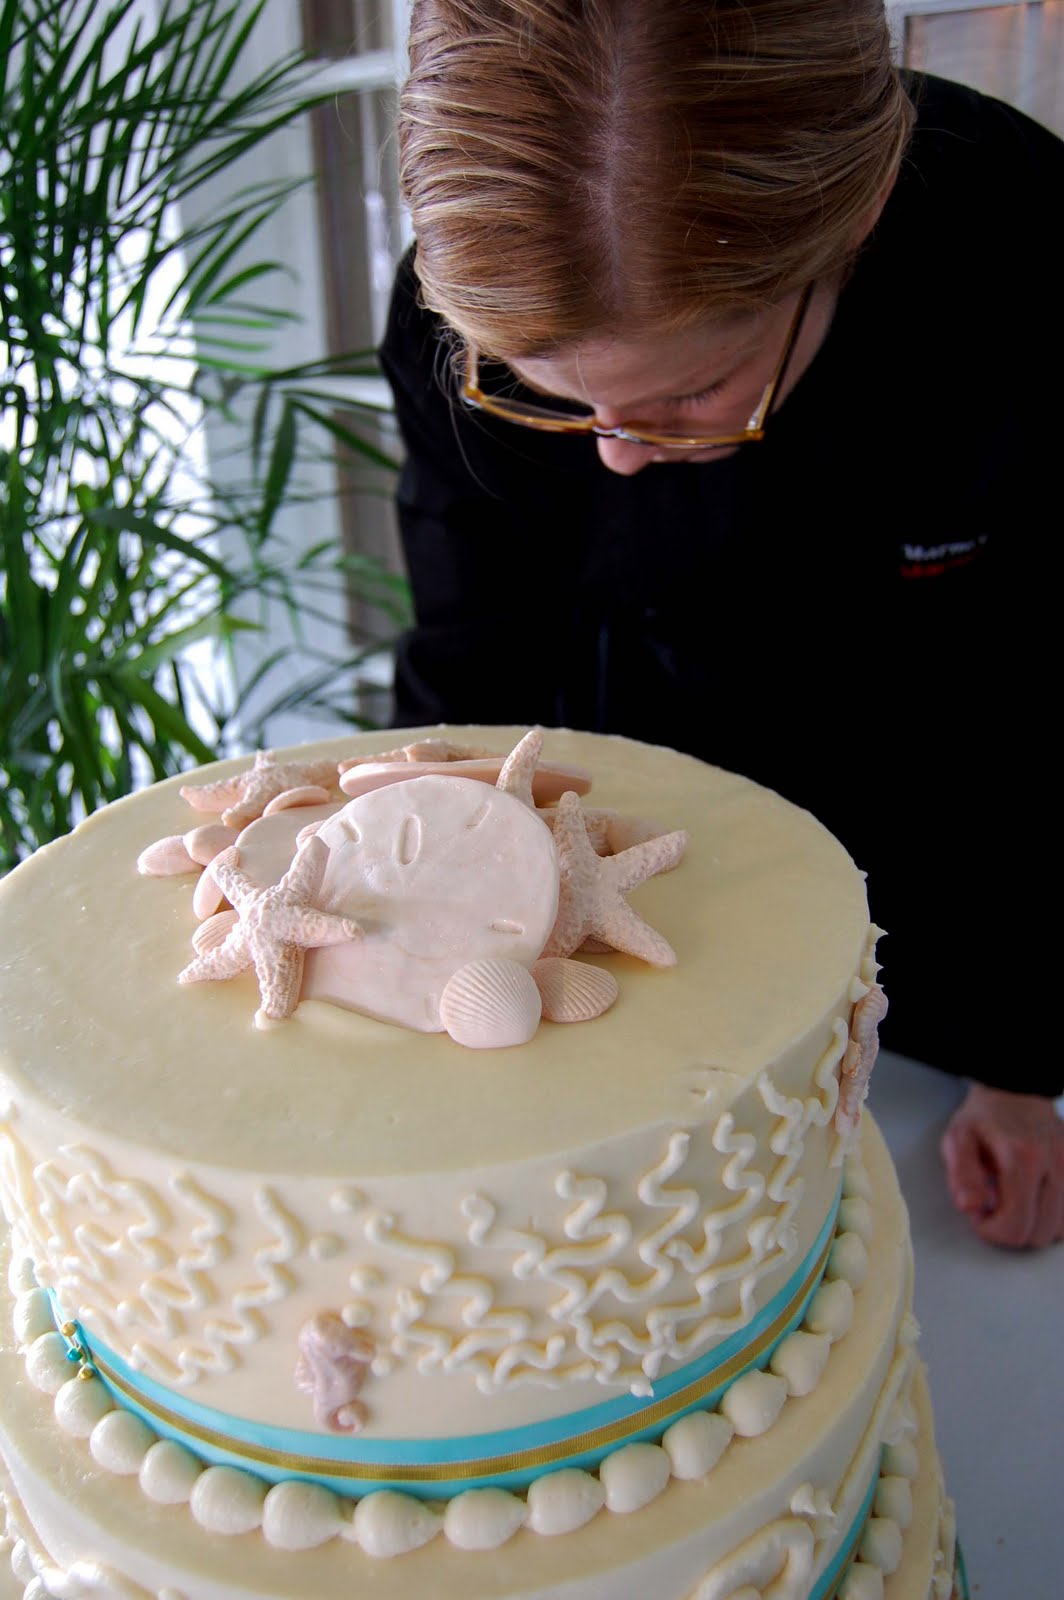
point(214, 931)
point(489, 1005)
point(572, 991)
point(165, 858)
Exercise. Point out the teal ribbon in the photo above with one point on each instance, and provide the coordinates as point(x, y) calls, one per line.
point(828, 1583)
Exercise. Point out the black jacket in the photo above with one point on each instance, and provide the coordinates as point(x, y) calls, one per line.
point(853, 612)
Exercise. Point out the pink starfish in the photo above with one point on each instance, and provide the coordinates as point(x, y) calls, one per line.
point(276, 925)
point(596, 821)
point(592, 889)
point(519, 768)
point(244, 797)
point(859, 1060)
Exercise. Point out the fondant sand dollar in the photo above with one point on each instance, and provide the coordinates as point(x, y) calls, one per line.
point(439, 871)
point(268, 845)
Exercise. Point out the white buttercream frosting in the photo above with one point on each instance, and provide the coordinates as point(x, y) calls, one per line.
point(800, 1360)
point(696, 1443)
point(389, 1524)
point(831, 1310)
point(47, 1366)
point(562, 1501)
point(120, 1441)
point(753, 1402)
point(80, 1405)
point(300, 1516)
point(483, 1519)
point(168, 1473)
point(633, 1476)
point(881, 1543)
point(226, 1500)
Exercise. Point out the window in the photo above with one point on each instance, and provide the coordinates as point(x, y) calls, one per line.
point(1007, 48)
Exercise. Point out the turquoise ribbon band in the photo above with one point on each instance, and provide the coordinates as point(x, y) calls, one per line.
point(961, 1586)
point(827, 1585)
point(440, 1468)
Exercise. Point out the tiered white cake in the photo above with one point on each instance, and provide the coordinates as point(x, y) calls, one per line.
point(337, 1306)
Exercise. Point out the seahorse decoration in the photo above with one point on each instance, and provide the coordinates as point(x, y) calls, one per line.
point(859, 1060)
point(333, 1362)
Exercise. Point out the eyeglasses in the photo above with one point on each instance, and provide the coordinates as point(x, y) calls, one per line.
point(579, 420)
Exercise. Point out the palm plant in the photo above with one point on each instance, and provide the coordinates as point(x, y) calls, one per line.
point(121, 549)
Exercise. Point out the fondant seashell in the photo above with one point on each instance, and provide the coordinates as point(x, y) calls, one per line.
point(210, 934)
point(309, 794)
point(307, 833)
point(489, 1005)
point(207, 898)
point(209, 840)
point(165, 858)
point(572, 991)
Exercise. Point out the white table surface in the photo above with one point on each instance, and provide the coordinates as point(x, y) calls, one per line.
point(993, 1338)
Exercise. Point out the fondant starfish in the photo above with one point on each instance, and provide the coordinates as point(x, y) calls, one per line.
point(519, 768)
point(592, 889)
point(596, 821)
point(276, 925)
point(609, 832)
point(244, 797)
point(859, 1060)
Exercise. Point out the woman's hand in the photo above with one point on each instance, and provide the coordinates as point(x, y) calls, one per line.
point(1004, 1156)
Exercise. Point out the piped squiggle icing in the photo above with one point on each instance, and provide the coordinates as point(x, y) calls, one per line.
point(230, 1501)
point(615, 1286)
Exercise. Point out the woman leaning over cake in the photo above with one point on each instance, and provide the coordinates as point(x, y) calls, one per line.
point(647, 235)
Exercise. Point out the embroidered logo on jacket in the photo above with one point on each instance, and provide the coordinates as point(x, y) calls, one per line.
point(932, 560)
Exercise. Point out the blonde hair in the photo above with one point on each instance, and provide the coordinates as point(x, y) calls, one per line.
point(573, 166)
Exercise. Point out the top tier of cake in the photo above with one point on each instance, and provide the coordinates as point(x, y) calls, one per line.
point(520, 1234)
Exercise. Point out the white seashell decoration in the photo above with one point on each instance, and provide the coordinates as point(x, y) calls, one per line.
point(209, 840)
point(490, 1005)
point(207, 897)
point(210, 934)
point(165, 858)
point(572, 991)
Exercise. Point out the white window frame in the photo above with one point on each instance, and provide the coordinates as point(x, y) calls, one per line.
point(293, 236)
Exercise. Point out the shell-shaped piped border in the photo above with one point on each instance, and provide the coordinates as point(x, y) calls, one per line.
point(573, 991)
point(489, 1005)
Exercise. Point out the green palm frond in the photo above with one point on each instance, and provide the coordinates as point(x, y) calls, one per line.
point(117, 556)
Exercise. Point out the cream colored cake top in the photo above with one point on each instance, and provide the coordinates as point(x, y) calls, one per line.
point(767, 915)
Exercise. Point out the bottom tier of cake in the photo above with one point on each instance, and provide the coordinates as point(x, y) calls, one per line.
point(841, 1496)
